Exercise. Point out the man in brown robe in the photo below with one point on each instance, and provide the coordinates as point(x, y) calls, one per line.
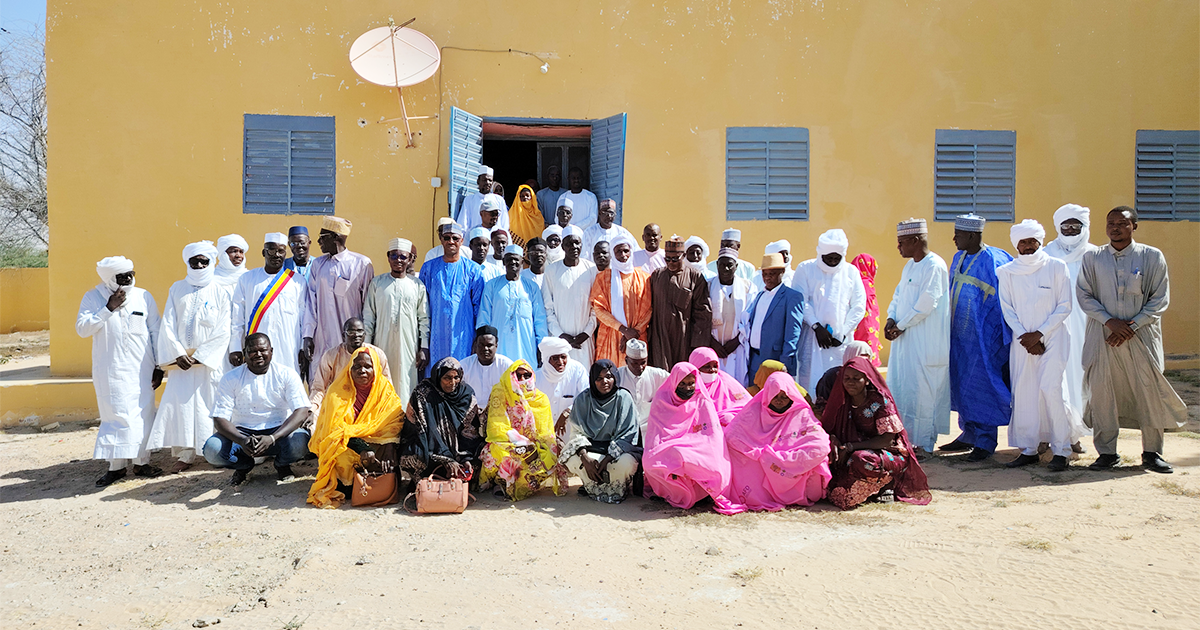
point(681, 318)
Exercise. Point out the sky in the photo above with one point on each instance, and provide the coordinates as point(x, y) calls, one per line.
point(22, 16)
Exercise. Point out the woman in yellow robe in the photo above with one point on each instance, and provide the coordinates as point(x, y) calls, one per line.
point(525, 220)
point(521, 455)
point(359, 415)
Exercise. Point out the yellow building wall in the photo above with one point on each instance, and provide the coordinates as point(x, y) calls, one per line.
point(146, 108)
point(24, 299)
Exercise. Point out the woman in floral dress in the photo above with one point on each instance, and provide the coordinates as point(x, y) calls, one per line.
point(521, 455)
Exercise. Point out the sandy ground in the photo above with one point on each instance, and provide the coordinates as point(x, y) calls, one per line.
point(997, 548)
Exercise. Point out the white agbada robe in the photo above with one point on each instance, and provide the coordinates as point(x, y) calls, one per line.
point(729, 303)
point(561, 387)
point(396, 318)
point(468, 214)
point(833, 296)
point(281, 320)
point(195, 321)
point(123, 360)
point(745, 269)
point(651, 260)
point(1035, 295)
point(919, 365)
point(596, 233)
point(567, 292)
point(643, 388)
point(482, 378)
point(585, 208)
point(1077, 320)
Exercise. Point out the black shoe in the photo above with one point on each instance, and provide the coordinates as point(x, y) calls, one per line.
point(582, 492)
point(978, 455)
point(284, 473)
point(1058, 464)
point(885, 496)
point(146, 470)
point(1155, 463)
point(957, 446)
point(1022, 460)
point(1105, 462)
point(110, 477)
point(239, 478)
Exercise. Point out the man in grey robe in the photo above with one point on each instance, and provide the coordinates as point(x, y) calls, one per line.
point(1124, 290)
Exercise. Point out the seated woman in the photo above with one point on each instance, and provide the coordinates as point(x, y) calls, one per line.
point(601, 436)
point(825, 383)
point(871, 454)
point(521, 455)
point(359, 424)
point(685, 459)
point(778, 452)
point(726, 392)
point(765, 370)
point(444, 425)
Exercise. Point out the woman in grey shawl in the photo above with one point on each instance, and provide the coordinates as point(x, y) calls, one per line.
point(601, 437)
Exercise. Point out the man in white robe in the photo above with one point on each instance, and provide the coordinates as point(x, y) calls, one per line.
point(834, 303)
point(695, 255)
point(604, 229)
point(1035, 298)
point(918, 326)
point(730, 296)
point(193, 344)
point(567, 290)
point(561, 378)
point(783, 248)
point(479, 240)
point(641, 379)
point(1124, 290)
point(123, 322)
point(231, 260)
point(1073, 224)
point(467, 214)
point(552, 235)
point(732, 239)
point(584, 205)
point(396, 319)
point(651, 256)
point(482, 370)
point(270, 300)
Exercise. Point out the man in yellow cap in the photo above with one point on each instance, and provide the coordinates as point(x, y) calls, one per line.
point(775, 319)
point(337, 286)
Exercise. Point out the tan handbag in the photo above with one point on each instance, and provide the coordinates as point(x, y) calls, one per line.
point(374, 489)
point(438, 495)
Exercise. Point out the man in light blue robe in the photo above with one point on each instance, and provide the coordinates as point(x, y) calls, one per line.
point(513, 305)
point(455, 288)
point(979, 339)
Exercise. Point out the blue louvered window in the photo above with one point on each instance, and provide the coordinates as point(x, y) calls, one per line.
point(1167, 186)
point(766, 173)
point(974, 171)
point(288, 165)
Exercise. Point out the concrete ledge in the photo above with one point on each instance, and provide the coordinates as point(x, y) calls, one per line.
point(37, 403)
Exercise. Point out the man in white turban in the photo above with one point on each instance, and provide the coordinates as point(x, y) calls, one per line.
point(269, 300)
point(567, 290)
point(918, 326)
point(1035, 297)
point(1073, 224)
point(783, 248)
point(695, 255)
point(467, 213)
point(396, 317)
point(730, 296)
point(231, 260)
point(835, 301)
point(123, 322)
point(561, 378)
point(193, 344)
point(641, 379)
point(552, 235)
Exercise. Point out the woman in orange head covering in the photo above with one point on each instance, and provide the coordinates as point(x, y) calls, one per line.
point(360, 422)
point(525, 221)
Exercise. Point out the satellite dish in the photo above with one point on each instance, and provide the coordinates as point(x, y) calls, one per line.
point(394, 56)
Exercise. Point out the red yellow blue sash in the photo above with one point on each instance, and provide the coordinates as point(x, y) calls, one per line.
point(267, 299)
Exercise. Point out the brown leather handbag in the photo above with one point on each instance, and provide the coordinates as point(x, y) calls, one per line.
point(374, 489)
point(438, 495)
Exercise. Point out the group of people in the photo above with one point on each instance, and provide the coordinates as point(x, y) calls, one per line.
point(572, 351)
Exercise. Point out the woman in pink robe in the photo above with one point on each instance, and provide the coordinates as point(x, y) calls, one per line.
point(685, 458)
point(726, 392)
point(778, 452)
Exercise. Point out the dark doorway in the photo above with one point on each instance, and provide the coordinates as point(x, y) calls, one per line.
point(514, 162)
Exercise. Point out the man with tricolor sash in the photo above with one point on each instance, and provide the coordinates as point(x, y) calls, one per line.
point(269, 300)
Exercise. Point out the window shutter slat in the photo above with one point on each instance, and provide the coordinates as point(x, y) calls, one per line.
point(289, 165)
point(1167, 175)
point(974, 171)
point(766, 173)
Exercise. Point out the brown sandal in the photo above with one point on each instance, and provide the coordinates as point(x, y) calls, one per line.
point(179, 467)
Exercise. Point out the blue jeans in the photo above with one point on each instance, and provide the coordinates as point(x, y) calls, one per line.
point(222, 452)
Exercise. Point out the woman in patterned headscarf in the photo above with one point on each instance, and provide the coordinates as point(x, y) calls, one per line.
point(521, 455)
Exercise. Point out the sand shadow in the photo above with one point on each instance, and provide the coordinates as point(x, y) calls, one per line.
point(953, 473)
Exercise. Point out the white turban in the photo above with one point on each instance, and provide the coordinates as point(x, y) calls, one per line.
point(401, 244)
point(227, 272)
point(111, 267)
point(1071, 244)
point(553, 346)
point(565, 202)
point(1072, 211)
point(1027, 229)
point(554, 230)
point(279, 238)
point(777, 247)
point(696, 240)
point(572, 230)
point(200, 277)
point(855, 349)
point(833, 242)
point(479, 232)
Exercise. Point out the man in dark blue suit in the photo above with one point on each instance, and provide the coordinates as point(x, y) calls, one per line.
point(775, 319)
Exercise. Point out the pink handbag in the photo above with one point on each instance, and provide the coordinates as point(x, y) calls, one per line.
point(438, 495)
